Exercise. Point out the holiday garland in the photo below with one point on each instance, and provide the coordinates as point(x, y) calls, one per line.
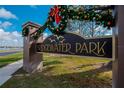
point(104, 19)
point(25, 31)
point(58, 16)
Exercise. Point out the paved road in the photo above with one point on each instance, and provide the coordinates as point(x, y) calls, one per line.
point(7, 53)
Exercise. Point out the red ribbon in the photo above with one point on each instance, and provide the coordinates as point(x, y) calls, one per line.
point(55, 13)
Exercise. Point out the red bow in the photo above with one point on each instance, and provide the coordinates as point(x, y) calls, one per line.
point(55, 13)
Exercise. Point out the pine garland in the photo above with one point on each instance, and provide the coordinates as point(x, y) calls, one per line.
point(60, 14)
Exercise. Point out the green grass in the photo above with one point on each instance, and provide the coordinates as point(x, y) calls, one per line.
point(3, 51)
point(65, 71)
point(4, 60)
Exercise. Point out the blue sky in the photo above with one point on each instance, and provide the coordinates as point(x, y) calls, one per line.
point(36, 14)
point(12, 18)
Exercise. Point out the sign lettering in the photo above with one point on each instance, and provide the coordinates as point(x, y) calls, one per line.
point(76, 45)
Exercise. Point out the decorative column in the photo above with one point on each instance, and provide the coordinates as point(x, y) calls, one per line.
point(32, 61)
point(118, 57)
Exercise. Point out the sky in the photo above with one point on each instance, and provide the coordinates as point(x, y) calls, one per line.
point(13, 17)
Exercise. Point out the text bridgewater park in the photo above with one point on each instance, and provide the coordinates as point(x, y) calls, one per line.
point(94, 48)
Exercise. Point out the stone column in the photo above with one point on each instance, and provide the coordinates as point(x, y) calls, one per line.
point(118, 63)
point(32, 61)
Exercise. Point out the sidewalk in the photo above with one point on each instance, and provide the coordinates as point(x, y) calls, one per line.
point(7, 71)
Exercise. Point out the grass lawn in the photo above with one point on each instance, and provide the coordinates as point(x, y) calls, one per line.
point(3, 51)
point(65, 71)
point(4, 60)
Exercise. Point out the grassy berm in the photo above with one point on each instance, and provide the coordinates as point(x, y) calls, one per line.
point(4, 60)
point(61, 71)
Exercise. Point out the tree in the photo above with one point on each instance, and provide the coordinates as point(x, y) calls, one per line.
point(87, 28)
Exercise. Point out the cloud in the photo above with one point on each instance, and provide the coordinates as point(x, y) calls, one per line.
point(10, 38)
point(45, 35)
point(6, 14)
point(5, 24)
